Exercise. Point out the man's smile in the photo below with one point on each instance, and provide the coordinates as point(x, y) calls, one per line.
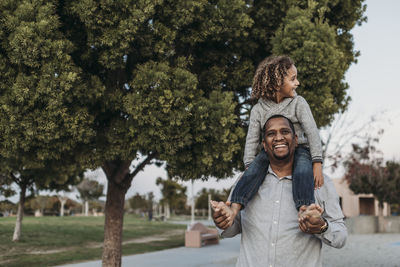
point(280, 146)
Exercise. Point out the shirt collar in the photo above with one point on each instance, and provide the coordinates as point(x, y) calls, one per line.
point(270, 171)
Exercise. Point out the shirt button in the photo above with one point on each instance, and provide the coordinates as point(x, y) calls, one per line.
point(272, 244)
point(277, 201)
point(275, 222)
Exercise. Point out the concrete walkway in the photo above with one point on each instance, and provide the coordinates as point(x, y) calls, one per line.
point(222, 255)
point(360, 250)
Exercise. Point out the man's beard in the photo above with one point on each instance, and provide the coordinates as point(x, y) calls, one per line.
point(282, 157)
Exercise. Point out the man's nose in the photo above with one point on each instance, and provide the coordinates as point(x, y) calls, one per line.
point(278, 136)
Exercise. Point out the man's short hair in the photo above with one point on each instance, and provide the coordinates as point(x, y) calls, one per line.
point(278, 116)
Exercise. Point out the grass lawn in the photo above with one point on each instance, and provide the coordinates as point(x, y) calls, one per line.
point(49, 241)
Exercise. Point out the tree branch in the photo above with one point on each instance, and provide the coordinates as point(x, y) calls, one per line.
point(143, 164)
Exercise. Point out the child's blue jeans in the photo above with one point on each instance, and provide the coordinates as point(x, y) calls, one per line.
point(302, 178)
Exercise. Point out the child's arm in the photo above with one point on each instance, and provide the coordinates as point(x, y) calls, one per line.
point(318, 176)
point(253, 136)
point(306, 119)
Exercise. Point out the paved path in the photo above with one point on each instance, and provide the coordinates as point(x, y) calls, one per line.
point(222, 255)
point(360, 251)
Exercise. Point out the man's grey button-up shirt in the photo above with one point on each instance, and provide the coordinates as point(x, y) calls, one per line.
point(270, 228)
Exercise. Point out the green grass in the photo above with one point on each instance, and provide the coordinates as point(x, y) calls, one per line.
point(74, 239)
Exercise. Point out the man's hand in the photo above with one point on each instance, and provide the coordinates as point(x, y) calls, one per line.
point(221, 214)
point(310, 220)
point(318, 176)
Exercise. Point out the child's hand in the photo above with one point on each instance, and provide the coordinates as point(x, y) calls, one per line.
point(318, 177)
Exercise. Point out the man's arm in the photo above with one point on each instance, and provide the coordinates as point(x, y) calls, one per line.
point(233, 230)
point(219, 218)
point(336, 234)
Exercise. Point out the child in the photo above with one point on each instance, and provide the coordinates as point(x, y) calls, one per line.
point(274, 85)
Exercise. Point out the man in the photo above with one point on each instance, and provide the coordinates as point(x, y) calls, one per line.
point(273, 233)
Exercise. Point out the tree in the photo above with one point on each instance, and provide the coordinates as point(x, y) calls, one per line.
point(138, 202)
point(63, 200)
point(108, 82)
point(174, 195)
point(337, 139)
point(7, 206)
point(89, 190)
point(366, 174)
point(50, 176)
point(202, 197)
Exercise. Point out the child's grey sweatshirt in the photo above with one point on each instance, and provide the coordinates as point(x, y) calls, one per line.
point(298, 111)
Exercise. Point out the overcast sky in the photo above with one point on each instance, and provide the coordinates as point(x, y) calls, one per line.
point(374, 88)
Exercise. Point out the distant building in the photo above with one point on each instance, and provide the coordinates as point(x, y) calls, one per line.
point(355, 205)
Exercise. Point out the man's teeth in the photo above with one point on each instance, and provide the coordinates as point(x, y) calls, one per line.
point(278, 146)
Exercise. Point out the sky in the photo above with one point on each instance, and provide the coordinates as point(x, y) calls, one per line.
point(374, 88)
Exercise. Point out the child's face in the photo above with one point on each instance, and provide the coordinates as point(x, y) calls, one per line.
point(290, 83)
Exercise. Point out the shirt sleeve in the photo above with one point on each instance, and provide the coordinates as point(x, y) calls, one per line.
point(306, 119)
point(253, 137)
point(234, 229)
point(336, 234)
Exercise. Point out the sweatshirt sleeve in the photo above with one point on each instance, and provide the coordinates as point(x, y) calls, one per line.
point(306, 119)
point(253, 136)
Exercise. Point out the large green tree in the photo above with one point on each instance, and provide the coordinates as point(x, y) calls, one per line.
point(104, 83)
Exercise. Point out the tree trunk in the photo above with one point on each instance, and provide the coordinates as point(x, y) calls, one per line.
point(167, 211)
point(113, 224)
point(119, 180)
point(86, 208)
point(20, 214)
point(63, 201)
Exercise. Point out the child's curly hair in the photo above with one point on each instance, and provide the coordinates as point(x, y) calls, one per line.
point(269, 77)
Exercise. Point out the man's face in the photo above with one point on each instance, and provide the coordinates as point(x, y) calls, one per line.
point(280, 141)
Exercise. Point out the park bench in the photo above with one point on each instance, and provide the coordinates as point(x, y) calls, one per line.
point(199, 235)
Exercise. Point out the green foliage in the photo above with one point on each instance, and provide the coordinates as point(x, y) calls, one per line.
point(6, 189)
point(321, 64)
point(45, 204)
point(139, 202)
point(8, 206)
point(98, 81)
point(90, 189)
point(173, 193)
point(202, 197)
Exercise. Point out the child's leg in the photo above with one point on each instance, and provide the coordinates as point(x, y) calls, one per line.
point(251, 180)
point(303, 177)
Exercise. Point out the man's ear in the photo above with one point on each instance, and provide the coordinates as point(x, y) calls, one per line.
point(264, 145)
point(296, 140)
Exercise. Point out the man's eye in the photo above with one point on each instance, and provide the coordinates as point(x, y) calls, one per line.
point(270, 134)
point(285, 132)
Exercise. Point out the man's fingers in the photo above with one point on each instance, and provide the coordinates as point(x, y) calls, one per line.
point(224, 224)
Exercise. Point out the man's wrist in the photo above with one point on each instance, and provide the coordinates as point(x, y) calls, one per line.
point(324, 227)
